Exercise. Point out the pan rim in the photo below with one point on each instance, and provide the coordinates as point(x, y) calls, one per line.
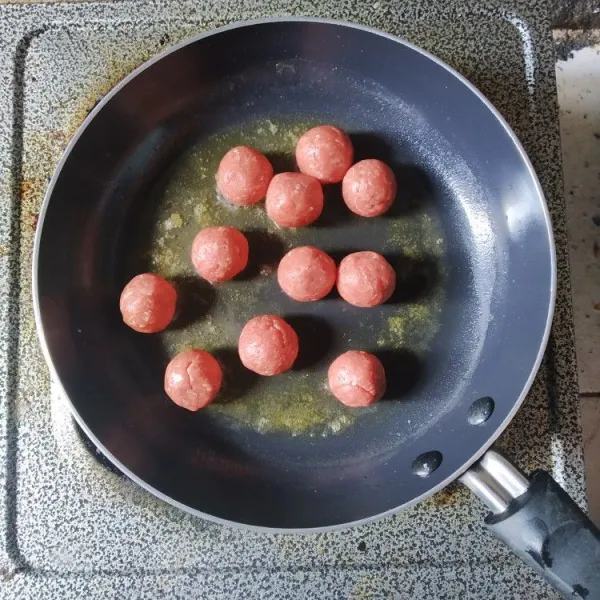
point(286, 19)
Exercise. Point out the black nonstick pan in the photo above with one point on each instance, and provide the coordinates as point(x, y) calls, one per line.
point(461, 339)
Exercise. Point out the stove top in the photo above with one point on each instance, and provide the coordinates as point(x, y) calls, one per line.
point(73, 526)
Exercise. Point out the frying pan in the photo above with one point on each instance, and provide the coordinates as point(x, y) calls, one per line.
point(462, 339)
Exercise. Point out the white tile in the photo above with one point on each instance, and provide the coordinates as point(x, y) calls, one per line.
point(578, 81)
point(590, 422)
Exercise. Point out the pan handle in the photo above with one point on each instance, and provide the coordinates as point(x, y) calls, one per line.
point(540, 523)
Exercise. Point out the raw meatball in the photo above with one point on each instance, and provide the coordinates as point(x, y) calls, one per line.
point(324, 152)
point(268, 345)
point(219, 253)
point(357, 378)
point(365, 279)
point(294, 199)
point(244, 175)
point(369, 188)
point(306, 274)
point(148, 303)
point(193, 379)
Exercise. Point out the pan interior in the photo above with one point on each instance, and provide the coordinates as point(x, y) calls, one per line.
point(280, 452)
point(298, 402)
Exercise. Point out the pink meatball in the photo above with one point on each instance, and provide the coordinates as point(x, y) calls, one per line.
point(294, 199)
point(324, 152)
point(365, 279)
point(306, 274)
point(244, 175)
point(268, 345)
point(193, 379)
point(219, 253)
point(148, 303)
point(357, 378)
point(369, 188)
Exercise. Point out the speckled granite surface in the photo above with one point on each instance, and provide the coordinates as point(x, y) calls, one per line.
point(72, 527)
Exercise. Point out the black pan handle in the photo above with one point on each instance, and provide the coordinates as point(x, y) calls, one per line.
point(540, 523)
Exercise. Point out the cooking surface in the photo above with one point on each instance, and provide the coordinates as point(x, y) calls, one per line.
point(295, 403)
point(74, 527)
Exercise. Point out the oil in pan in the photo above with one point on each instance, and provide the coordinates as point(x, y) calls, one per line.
point(211, 317)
